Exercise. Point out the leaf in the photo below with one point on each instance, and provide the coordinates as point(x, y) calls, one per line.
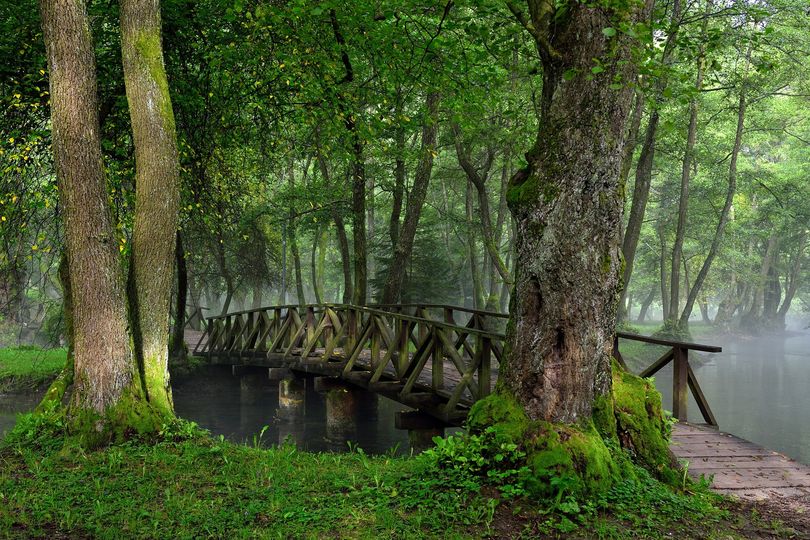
point(609, 31)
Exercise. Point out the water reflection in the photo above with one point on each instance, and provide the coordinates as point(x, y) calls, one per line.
point(239, 407)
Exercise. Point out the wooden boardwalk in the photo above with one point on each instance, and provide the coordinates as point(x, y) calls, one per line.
point(739, 467)
point(378, 359)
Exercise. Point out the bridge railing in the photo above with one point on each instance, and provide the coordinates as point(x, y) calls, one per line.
point(427, 362)
point(418, 351)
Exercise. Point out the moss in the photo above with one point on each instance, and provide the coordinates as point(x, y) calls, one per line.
point(641, 427)
point(501, 411)
point(604, 419)
point(529, 189)
point(627, 427)
point(132, 416)
point(148, 46)
point(570, 460)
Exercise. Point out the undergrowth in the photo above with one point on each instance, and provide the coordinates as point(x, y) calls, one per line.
point(187, 484)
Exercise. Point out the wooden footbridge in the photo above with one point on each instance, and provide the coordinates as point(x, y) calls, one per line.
point(440, 359)
point(436, 358)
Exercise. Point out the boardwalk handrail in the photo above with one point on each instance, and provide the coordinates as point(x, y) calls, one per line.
point(375, 346)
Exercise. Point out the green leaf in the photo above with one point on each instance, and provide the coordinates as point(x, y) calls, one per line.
point(609, 31)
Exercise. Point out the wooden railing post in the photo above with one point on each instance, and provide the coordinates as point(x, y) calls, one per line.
point(310, 322)
point(437, 367)
point(680, 378)
point(485, 367)
point(210, 343)
point(351, 334)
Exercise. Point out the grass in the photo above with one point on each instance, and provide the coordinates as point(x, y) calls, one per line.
point(193, 486)
point(27, 367)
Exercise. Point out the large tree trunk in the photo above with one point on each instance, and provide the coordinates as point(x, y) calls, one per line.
point(792, 280)
point(392, 290)
point(752, 320)
point(107, 398)
point(568, 207)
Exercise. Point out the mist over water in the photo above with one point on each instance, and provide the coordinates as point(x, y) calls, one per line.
point(758, 388)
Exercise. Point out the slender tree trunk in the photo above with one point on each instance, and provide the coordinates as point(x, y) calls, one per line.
point(316, 285)
point(472, 248)
point(644, 167)
point(399, 180)
point(752, 320)
point(645, 305)
point(792, 280)
point(107, 397)
point(258, 295)
point(299, 280)
point(478, 180)
point(662, 267)
point(358, 171)
point(724, 215)
point(340, 233)
point(392, 290)
point(178, 340)
point(568, 206)
point(686, 172)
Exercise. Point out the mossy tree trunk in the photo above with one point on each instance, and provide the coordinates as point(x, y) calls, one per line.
point(157, 193)
point(568, 206)
point(107, 397)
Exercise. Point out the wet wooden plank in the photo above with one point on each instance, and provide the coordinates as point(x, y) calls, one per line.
point(738, 467)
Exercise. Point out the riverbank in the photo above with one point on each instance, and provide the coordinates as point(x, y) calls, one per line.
point(27, 368)
point(160, 491)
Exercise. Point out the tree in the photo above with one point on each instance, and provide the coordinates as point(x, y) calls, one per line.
point(567, 205)
point(157, 196)
point(108, 397)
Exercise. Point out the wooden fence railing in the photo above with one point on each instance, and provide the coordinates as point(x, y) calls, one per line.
point(419, 352)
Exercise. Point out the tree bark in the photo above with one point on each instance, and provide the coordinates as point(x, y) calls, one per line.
point(392, 290)
point(568, 206)
point(107, 392)
point(157, 193)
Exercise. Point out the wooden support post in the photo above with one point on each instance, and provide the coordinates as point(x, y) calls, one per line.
point(310, 323)
point(680, 377)
point(402, 359)
point(485, 367)
point(437, 368)
point(617, 353)
point(210, 344)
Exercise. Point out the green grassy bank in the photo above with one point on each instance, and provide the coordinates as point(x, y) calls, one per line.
point(28, 367)
point(193, 486)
